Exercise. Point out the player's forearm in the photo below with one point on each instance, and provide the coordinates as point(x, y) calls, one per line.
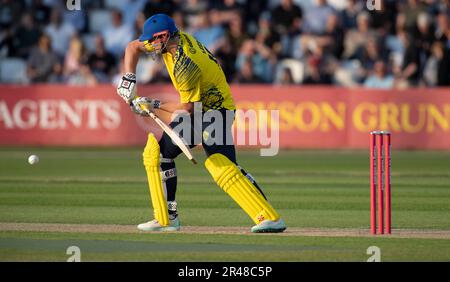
point(132, 53)
point(172, 107)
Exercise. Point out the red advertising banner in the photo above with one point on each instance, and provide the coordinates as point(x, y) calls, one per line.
point(307, 117)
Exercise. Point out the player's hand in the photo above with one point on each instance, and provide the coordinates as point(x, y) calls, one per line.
point(127, 87)
point(140, 105)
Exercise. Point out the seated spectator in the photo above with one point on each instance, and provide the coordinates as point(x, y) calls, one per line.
point(287, 17)
point(159, 7)
point(139, 24)
point(316, 17)
point(227, 59)
point(43, 62)
point(355, 39)
point(118, 35)
point(76, 18)
point(131, 8)
point(209, 31)
point(424, 34)
point(84, 77)
point(382, 20)
point(246, 74)
point(350, 13)
point(267, 36)
point(318, 69)
point(101, 61)
point(286, 77)
point(262, 59)
point(332, 40)
point(409, 72)
point(236, 34)
point(41, 12)
point(193, 10)
point(443, 28)
point(26, 36)
point(412, 10)
point(437, 69)
point(368, 55)
point(10, 11)
point(60, 33)
point(75, 56)
point(379, 79)
point(228, 9)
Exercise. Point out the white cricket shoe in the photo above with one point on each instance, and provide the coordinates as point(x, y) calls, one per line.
point(270, 226)
point(155, 226)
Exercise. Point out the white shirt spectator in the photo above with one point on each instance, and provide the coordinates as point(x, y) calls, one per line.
point(130, 9)
point(118, 35)
point(60, 36)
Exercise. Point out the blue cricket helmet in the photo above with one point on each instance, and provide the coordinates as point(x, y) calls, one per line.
point(157, 23)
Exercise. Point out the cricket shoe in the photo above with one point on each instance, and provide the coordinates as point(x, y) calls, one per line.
point(174, 225)
point(270, 226)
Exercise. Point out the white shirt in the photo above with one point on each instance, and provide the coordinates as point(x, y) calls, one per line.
point(60, 37)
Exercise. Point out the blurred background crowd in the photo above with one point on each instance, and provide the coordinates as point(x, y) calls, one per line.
point(340, 42)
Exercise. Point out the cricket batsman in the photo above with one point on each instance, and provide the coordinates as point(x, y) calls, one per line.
point(198, 78)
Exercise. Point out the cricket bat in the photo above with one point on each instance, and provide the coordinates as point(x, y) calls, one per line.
point(173, 135)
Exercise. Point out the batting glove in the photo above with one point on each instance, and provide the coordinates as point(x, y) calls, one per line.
point(141, 105)
point(127, 87)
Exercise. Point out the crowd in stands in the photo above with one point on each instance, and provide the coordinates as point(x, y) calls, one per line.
point(404, 44)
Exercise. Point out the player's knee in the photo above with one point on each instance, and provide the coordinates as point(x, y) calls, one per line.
point(151, 152)
point(223, 170)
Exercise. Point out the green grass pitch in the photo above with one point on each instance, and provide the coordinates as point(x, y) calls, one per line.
point(313, 190)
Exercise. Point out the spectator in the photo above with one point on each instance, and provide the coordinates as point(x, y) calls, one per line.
point(412, 11)
point(209, 30)
point(316, 17)
point(75, 56)
point(43, 63)
point(84, 77)
point(76, 18)
point(236, 35)
point(118, 35)
point(437, 69)
point(159, 7)
point(332, 40)
point(317, 68)
point(369, 55)
point(267, 36)
point(246, 74)
point(350, 13)
point(379, 79)
point(409, 73)
point(179, 20)
point(59, 32)
point(101, 61)
point(10, 11)
point(356, 39)
point(262, 59)
point(382, 20)
point(193, 10)
point(26, 36)
point(139, 24)
point(41, 12)
point(226, 58)
point(285, 77)
point(287, 17)
point(131, 8)
point(443, 28)
point(229, 9)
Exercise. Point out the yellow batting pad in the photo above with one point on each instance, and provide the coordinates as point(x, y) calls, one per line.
point(152, 166)
point(229, 177)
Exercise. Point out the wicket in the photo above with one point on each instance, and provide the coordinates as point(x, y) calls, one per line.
point(380, 181)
